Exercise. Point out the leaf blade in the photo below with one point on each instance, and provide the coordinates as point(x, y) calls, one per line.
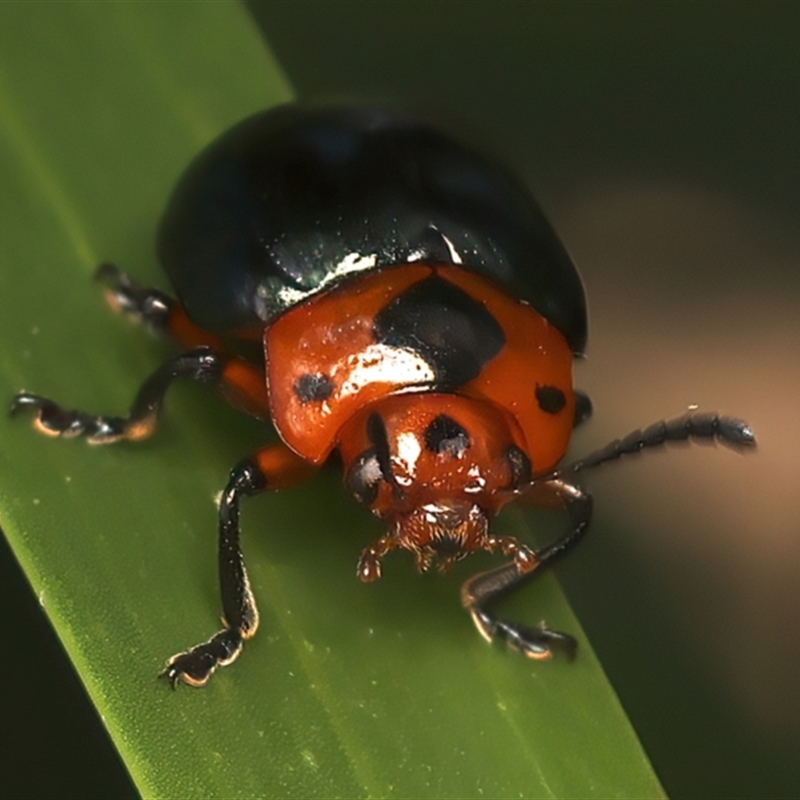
point(348, 690)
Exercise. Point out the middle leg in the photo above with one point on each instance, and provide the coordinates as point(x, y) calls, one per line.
point(238, 380)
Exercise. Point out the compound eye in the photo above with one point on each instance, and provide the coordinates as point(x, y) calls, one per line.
point(364, 477)
point(520, 466)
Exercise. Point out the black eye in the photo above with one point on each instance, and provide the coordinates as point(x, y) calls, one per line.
point(445, 435)
point(583, 408)
point(364, 477)
point(550, 399)
point(521, 468)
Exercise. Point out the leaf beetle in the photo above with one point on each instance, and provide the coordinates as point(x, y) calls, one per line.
point(411, 308)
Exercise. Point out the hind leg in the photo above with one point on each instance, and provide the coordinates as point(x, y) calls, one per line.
point(156, 309)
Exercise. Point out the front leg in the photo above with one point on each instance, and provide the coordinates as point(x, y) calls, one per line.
point(272, 467)
point(479, 592)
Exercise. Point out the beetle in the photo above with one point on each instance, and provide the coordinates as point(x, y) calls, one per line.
point(371, 287)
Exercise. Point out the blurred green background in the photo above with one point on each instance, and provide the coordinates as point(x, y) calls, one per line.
point(661, 139)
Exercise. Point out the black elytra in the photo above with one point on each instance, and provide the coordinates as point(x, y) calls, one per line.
point(292, 201)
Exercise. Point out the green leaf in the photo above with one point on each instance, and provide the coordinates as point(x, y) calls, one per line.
point(348, 690)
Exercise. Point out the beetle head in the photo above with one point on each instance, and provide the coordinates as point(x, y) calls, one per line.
point(435, 468)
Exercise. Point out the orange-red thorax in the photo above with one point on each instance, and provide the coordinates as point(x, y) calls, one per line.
point(325, 368)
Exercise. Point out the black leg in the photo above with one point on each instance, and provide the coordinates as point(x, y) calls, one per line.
point(240, 614)
point(202, 364)
point(481, 590)
point(272, 467)
point(156, 309)
point(143, 303)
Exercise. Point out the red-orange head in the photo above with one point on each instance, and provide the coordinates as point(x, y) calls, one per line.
point(435, 467)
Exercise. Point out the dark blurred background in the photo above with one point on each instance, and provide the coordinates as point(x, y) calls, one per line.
point(662, 140)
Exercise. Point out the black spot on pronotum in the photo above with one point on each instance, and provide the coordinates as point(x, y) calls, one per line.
point(520, 465)
point(445, 435)
point(550, 399)
point(313, 388)
point(454, 334)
